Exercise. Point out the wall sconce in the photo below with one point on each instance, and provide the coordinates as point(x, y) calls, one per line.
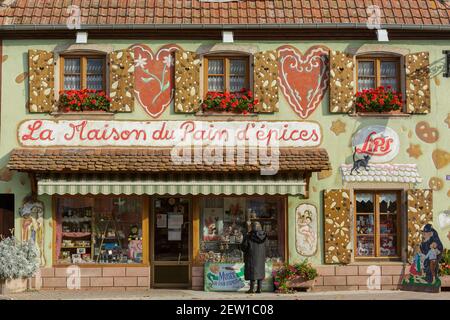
point(382, 35)
point(446, 64)
point(227, 37)
point(82, 37)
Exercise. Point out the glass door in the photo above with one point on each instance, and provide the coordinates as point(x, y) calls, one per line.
point(171, 249)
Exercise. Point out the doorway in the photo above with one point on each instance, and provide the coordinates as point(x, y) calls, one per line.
point(171, 242)
point(6, 215)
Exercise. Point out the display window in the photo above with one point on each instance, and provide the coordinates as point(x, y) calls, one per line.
point(225, 221)
point(99, 230)
point(377, 224)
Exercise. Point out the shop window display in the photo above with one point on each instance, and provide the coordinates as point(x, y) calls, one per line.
point(225, 221)
point(99, 230)
point(377, 224)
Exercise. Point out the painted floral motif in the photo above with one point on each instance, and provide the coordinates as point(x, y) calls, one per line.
point(41, 81)
point(304, 78)
point(154, 77)
point(337, 226)
point(420, 212)
point(417, 69)
point(341, 82)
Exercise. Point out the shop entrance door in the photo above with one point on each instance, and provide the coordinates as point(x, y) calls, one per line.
point(171, 239)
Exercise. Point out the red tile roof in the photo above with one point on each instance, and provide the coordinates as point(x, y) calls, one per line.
point(117, 12)
point(152, 161)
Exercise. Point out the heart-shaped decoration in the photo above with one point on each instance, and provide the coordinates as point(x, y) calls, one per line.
point(154, 77)
point(304, 77)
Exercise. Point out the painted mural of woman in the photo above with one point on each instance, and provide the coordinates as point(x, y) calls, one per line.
point(431, 249)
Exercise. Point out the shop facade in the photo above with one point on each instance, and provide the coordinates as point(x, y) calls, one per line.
point(105, 197)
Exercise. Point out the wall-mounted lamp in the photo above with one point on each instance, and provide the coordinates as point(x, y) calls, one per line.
point(82, 37)
point(227, 37)
point(446, 64)
point(382, 35)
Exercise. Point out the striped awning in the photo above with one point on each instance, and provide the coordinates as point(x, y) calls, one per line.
point(172, 184)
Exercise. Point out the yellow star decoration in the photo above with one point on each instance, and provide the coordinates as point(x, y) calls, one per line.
point(414, 150)
point(447, 121)
point(338, 127)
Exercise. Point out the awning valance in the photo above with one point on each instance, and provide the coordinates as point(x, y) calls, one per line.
point(172, 184)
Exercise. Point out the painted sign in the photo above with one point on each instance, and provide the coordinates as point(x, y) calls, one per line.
point(306, 229)
point(95, 133)
point(380, 142)
point(154, 77)
point(230, 277)
point(304, 78)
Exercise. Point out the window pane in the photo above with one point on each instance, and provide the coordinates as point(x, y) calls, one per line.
point(366, 68)
point(389, 82)
point(238, 67)
point(72, 82)
point(215, 67)
point(224, 224)
point(388, 245)
point(95, 66)
point(99, 230)
point(237, 83)
point(388, 223)
point(366, 83)
point(72, 65)
point(388, 69)
point(94, 82)
point(388, 202)
point(365, 246)
point(365, 224)
point(215, 84)
point(364, 203)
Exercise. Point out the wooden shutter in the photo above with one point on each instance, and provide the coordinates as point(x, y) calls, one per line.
point(121, 80)
point(187, 82)
point(41, 81)
point(417, 70)
point(342, 82)
point(420, 212)
point(265, 77)
point(337, 226)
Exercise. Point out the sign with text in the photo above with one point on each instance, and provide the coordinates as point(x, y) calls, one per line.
point(379, 142)
point(96, 133)
point(230, 277)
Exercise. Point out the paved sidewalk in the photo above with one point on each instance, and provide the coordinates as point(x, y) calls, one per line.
point(163, 294)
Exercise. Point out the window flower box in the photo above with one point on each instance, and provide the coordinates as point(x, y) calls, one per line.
point(242, 102)
point(444, 269)
point(85, 100)
point(290, 277)
point(378, 100)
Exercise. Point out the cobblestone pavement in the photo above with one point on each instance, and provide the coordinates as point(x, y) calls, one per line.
point(162, 294)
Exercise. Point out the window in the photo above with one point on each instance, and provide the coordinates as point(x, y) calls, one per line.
point(99, 230)
point(377, 224)
point(376, 72)
point(83, 72)
point(225, 221)
point(226, 74)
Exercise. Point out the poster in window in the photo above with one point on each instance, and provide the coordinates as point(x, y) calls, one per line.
point(306, 229)
point(174, 235)
point(175, 221)
point(212, 224)
point(161, 220)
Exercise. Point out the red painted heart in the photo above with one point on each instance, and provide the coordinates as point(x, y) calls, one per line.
point(153, 84)
point(304, 77)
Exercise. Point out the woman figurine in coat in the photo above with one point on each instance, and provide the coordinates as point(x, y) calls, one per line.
point(254, 250)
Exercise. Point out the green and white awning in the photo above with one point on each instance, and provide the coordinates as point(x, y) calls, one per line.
point(171, 184)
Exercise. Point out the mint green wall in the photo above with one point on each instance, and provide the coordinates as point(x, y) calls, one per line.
point(13, 111)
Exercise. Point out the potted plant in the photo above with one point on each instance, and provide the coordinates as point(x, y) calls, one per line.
point(242, 102)
point(444, 269)
point(378, 100)
point(19, 261)
point(294, 276)
point(83, 100)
